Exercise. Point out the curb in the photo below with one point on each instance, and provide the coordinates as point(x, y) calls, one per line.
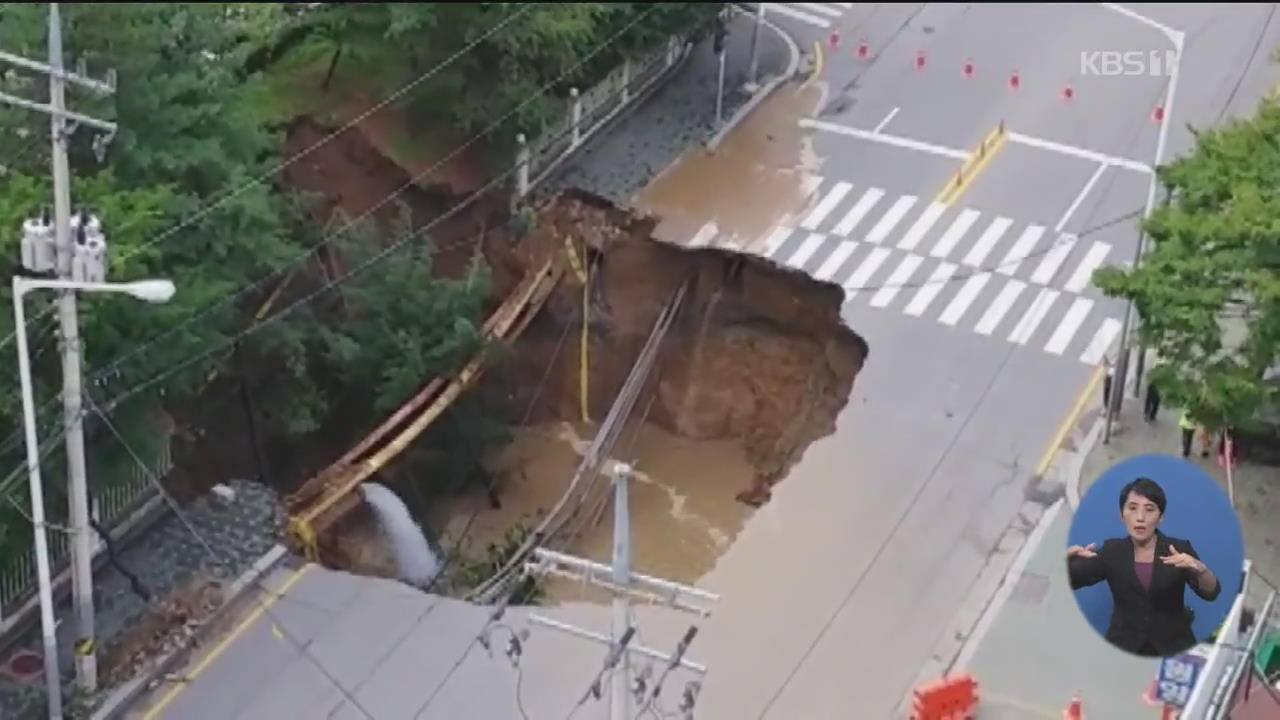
point(119, 701)
point(1077, 466)
point(764, 92)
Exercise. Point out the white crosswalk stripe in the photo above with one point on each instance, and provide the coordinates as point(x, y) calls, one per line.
point(862, 276)
point(833, 263)
point(826, 205)
point(900, 276)
point(786, 9)
point(806, 251)
point(953, 234)
point(858, 211)
point(890, 219)
point(942, 267)
point(819, 8)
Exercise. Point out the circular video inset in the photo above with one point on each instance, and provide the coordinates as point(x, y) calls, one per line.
point(1155, 555)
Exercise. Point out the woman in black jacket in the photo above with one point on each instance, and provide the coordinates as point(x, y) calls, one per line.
point(1147, 572)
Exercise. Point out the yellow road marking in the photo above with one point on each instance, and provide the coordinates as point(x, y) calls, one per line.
point(973, 167)
point(817, 59)
point(222, 646)
point(1089, 388)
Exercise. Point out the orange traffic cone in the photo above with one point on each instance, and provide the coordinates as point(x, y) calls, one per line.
point(1074, 711)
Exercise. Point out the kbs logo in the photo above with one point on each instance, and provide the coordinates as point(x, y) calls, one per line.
point(1139, 63)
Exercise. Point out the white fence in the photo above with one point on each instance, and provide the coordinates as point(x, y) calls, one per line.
point(110, 506)
point(589, 111)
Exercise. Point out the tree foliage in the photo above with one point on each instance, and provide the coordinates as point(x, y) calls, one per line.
point(1208, 290)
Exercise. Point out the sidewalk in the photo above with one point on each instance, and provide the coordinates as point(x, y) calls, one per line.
point(1038, 649)
point(680, 115)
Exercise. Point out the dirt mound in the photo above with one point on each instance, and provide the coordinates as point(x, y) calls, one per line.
point(758, 354)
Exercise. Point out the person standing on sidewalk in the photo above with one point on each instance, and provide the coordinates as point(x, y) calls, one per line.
point(1151, 405)
point(1188, 428)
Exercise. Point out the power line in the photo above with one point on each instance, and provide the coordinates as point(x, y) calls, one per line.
point(277, 626)
point(403, 90)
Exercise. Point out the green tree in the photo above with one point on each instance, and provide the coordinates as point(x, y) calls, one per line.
point(1208, 290)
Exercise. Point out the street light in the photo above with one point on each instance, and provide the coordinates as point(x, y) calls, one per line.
point(153, 291)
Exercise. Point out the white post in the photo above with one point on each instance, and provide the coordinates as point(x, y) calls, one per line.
point(671, 50)
point(522, 173)
point(626, 81)
point(755, 45)
point(720, 92)
point(53, 682)
point(620, 691)
point(77, 481)
point(576, 116)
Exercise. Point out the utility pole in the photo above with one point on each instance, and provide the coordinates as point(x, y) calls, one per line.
point(755, 47)
point(72, 259)
point(624, 584)
point(721, 34)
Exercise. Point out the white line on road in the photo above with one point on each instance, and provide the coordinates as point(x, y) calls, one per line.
point(1026, 327)
point(894, 140)
point(705, 235)
point(796, 14)
point(858, 211)
point(1141, 18)
point(1078, 152)
point(1053, 259)
point(1070, 324)
point(891, 218)
point(807, 249)
point(776, 239)
point(1101, 342)
point(862, 275)
point(886, 120)
point(987, 241)
point(900, 276)
point(999, 307)
point(826, 205)
point(1021, 249)
point(1007, 586)
point(932, 287)
point(953, 234)
point(922, 226)
point(837, 259)
point(1075, 204)
point(963, 299)
point(1083, 275)
point(819, 8)
point(846, 6)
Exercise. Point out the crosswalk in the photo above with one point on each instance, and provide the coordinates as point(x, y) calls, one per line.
point(993, 276)
point(817, 14)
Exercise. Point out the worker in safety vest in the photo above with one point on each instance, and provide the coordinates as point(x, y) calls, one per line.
point(1188, 428)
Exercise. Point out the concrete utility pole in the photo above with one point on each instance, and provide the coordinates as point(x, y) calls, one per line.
point(623, 583)
point(755, 47)
point(77, 484)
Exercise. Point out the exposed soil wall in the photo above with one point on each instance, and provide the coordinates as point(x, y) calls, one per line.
point(758, 354)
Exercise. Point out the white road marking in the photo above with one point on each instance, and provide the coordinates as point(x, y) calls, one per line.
point(846, 6)
point(922, 226)
point(963, 299)
point(1021, 249)
point(900, 276)
point(807, 249)
point(1053, 259)
point(886, 119)
point(1101, 342)
point(1075, 204)
point(775, 240)
point(1083, 275)
point(1035, 314)
point(1070, 324)
point(953, 234)
point(705, 235)
point(819, 8)
point(862, 275)
point(837, 259)
point(858, 211)
point(999, 307)
point(796, 14)
point(883, 138)
point(890, 219)
point(987, 241)
point(826, 205)
point(1079, 152)
point(930, 290)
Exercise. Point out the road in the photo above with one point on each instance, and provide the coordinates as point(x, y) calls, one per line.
point(983, 325)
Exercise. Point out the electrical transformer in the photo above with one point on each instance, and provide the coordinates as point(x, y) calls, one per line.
point(38, 253)
point(88, 249)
